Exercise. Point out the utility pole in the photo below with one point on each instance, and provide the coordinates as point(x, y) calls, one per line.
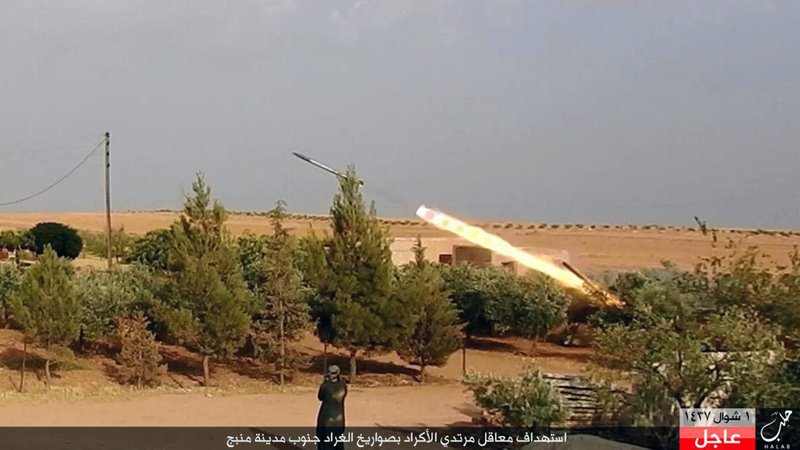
point(108, 200)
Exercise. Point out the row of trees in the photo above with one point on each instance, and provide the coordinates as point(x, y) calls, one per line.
point(196, 285)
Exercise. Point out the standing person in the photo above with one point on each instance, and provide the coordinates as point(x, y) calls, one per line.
point(330, 419)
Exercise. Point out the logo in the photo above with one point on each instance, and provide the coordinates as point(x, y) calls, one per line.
point(775, 431)
point(784, 420)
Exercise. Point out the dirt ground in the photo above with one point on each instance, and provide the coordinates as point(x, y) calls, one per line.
point(590, 249)
point(385, 393)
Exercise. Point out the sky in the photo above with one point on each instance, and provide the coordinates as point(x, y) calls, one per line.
point(573, 111)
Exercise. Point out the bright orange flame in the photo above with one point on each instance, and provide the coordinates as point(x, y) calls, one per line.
point(480, 237)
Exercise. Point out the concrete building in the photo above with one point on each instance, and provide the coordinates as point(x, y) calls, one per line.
point(457, 250)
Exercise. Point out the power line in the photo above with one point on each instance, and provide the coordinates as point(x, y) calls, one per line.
point(57, 182)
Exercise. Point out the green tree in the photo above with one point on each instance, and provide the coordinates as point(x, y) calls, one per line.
point(46, 306)
point(252, 249)
point(469, 288)
point(277, 283)
point(206, 302)
point(353, 309)
point(16, 239)
point(64, 240)
point(433, 332)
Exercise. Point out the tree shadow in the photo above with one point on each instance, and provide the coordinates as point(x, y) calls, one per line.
point(473, 412)
point(260, 371)
point(11, 358)
point(187, 365)
point(365, 366)
point(490, 345)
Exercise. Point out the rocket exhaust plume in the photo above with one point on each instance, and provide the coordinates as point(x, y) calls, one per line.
point(567, 277)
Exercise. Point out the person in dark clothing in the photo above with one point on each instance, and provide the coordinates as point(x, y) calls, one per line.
point(330, 419)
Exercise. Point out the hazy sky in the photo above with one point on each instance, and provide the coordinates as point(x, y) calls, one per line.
point(583, 111)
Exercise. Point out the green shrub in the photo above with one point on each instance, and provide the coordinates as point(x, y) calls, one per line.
point(95, 243)
point(151, 250)
point(526, 306)
point(16, 239)
point(525, 402)
point(10, 280)
point(64, 240)
point(104, 296)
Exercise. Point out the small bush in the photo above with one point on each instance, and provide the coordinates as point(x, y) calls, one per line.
point(525, 402)
point(64, 240)
point(139, 358)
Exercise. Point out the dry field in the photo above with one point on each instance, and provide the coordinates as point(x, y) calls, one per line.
point(591, 250)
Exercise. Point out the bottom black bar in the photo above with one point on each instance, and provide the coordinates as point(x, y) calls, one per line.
point(296, 438)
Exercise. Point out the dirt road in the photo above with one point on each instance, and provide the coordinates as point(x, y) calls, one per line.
point(396, 406)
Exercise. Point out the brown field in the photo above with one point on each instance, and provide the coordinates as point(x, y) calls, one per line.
point(591, 250)
point(386, 394)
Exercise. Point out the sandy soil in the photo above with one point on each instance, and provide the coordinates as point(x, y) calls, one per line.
point(591, 250)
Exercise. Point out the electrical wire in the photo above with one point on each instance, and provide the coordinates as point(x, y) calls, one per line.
point(57, 182)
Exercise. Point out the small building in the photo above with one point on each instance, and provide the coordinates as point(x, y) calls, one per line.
point(456, 250)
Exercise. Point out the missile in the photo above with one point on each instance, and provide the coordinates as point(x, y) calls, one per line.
point(322, 166)
point(610, 299)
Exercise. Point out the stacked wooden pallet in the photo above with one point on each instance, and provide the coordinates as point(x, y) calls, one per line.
point(577, 395)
